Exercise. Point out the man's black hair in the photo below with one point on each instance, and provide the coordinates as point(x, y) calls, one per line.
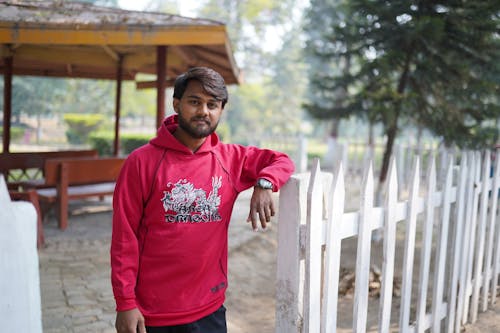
point(211, 81)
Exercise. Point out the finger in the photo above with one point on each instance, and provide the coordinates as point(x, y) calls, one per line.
point(273, 210)
point(251, 218)
point(141, 327)
point(268, 212)
point(262, 217)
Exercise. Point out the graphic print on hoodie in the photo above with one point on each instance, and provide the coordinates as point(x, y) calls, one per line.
point(183, 203)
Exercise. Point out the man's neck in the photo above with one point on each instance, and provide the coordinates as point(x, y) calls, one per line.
point(192, 143)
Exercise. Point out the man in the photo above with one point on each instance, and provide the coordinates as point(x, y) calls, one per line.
point(171, 211)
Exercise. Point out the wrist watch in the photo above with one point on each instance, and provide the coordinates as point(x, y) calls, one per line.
point(264, 184)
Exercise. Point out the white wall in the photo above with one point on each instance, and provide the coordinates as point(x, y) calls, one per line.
point(20, 305)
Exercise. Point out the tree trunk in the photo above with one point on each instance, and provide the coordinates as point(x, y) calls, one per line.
point(419, 137)
point(392, 128)
point(331, 152)
point(334, 130)
point(371, 142)
point(38, 127)
point(391, 137)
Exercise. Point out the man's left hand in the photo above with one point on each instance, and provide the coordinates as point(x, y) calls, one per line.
point(261, 204)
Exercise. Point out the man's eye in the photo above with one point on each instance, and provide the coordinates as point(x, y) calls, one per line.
point(212, 106)
point(194, 102)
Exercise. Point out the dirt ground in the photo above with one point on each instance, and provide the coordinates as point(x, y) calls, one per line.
point(250, 299)
point(251, 294)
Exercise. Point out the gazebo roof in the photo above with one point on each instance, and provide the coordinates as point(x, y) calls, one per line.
point(74, 39)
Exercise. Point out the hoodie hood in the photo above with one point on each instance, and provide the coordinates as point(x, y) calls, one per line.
point(166, 140)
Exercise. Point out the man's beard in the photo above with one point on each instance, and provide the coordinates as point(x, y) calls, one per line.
point(195, 131)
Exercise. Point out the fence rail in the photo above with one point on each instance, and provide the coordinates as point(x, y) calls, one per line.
point(450, 247)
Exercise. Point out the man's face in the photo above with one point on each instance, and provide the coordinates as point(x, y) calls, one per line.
point(198, 112)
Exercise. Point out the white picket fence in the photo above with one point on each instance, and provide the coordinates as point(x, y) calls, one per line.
point(454, 227)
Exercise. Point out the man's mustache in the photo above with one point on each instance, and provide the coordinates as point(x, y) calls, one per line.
point(201, 119)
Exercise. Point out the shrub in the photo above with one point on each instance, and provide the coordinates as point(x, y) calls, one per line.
point(129, 142)
point(81, 125)
point(16, 133)
point(102, 142)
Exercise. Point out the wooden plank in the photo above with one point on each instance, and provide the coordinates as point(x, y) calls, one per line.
point(425, 257)
point(399, 150)
point(483, 207)
point(453, 286)
point(493, 217)
point(84, 170)
point(363, 253)
point(288, 266)
point(389, 249)
point(332, 253)
point(36, 160)
point(473, 235)
point(490, 232)
point(8, 62)
point(187, 35)
point(442, 246)
point(312, 285)
point(462, 293)
point(409, 250)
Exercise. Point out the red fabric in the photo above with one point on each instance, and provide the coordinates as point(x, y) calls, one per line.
point(171, 211)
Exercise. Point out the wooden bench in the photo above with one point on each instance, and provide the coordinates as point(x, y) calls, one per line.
point(77, 178)
point(29, 166)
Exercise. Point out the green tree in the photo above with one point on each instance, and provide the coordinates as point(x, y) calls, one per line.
point(89, 96)
point(264, 36)
point(35, 97)
point(430, 63)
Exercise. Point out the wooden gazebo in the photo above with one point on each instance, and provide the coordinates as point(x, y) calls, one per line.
point(80, 40)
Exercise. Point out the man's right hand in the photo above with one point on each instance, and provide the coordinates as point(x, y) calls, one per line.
point(130, 321)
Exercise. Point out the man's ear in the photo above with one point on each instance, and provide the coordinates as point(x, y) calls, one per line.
point(175, 104)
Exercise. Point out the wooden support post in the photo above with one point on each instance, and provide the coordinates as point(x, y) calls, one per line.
point(7, 102)
point(161, 74)
point(119, 72)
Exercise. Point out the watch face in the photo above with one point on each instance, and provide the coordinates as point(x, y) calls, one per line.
point(263, 183)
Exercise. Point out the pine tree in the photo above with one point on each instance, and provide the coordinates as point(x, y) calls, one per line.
point(433, 63)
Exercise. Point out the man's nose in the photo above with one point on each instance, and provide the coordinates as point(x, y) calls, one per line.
point(203, 109)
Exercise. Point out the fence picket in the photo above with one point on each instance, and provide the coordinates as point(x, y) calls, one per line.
point(490, 225)
point(288, 304)
point(389, 249)
point(425, 256)
point(478, 267)
point(495, 192)
point(409, 250)
point(363, 253)
point(473, 236)
point(332, 253)
point(442, 245)
point(453, 289)
point(312, 294)
point(462, 292)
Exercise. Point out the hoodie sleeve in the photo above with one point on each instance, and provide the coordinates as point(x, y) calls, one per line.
point(127, 213)
point(250, 163)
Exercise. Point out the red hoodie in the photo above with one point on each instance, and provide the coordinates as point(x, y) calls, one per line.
point(171, 212)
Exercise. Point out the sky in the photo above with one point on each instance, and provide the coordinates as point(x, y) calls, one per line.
point(186, 7)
